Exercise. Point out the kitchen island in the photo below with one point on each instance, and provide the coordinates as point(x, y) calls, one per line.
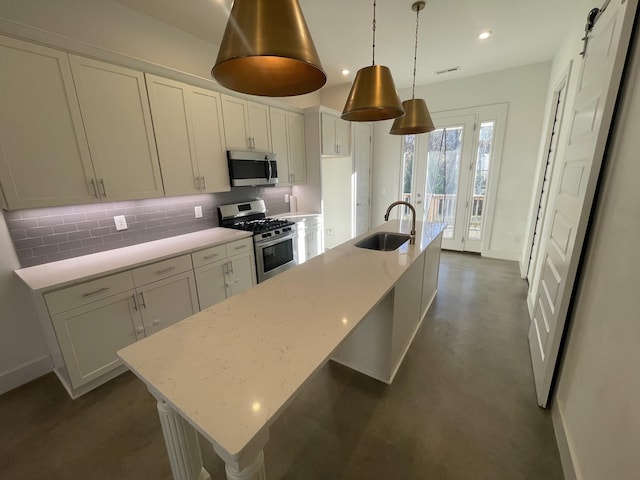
point(230, 370)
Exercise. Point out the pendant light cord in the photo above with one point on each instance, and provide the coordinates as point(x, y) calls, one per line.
point(415, 55)
point(373, 62)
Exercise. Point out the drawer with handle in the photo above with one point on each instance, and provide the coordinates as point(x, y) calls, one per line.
point(239, 246)
point(72, 297)
point(209, 255)
point(159, 270)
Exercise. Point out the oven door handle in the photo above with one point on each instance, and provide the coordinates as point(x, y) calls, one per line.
point(268, 243)
point(269, 172)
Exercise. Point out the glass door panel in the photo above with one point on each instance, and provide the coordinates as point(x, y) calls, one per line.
point(480, 180)
point(443, 174)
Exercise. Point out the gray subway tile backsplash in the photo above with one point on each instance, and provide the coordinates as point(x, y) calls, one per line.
point(46, 235)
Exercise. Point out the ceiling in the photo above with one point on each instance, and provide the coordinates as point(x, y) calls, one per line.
point(524, 32)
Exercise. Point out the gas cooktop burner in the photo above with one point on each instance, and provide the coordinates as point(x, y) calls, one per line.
point(261, 225)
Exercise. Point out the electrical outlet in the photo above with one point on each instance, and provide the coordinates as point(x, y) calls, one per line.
point(197, 211)
point(329, 231)
point(286, 198)
point(121, 222)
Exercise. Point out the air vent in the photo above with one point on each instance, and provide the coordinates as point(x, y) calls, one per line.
point(447, 70)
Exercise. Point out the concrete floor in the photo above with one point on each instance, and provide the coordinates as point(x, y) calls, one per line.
point(461, 407)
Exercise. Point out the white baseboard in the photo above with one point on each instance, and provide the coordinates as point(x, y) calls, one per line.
point(563, 442)
point(25, 373)
point(501, 255)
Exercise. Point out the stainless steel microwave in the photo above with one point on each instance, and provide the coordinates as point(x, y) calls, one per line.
point(252, 168)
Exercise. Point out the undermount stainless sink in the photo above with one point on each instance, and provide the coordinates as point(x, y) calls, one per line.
point(384, 241)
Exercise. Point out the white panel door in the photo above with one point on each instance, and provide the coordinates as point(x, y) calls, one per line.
point(362, 168)
point(574, 186)
point(44, 155)
point(117, 119)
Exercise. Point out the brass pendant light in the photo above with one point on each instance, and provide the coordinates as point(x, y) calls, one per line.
point(267, 50)
point(373, 95)
point(417, 118)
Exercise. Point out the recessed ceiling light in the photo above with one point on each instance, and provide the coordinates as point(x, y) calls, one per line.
point(484, 35)
point(345, 72)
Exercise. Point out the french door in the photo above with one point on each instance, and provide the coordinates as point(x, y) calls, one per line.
point(446, 174)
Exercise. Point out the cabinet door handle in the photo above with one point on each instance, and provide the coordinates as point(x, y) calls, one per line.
point(196, 183)
point(207, 257)
point(95, 189)
point(165, 270)
point(230, 268)
point(95, 292)
point(135, 304)
point(142, 302)
point(104, 191)
point(204, 183)
point(240, 247)
point(249, 142)
point(140, 330)
point(156, 321)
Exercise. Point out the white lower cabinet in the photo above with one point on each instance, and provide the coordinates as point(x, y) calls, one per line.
point(95, 319)
point(224, 271)
point(309, 238)
point(165, 302)
point(90, 335)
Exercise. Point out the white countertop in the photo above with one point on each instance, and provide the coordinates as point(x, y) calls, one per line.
point(74, 270)
point(230, 369)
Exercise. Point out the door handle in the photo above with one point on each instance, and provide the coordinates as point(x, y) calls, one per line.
point(104, 191)
point(95, 189)
point(142, 302)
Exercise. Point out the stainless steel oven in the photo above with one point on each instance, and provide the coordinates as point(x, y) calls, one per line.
point(274, 239)
point(275, 254)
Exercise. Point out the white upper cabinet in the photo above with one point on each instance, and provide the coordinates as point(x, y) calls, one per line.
point(117, 121)
point(187, 121)
point(297, 152)
point(280, 143)
point(246, 124)
point(44, 157)
point(287, 138)
point(336, 136)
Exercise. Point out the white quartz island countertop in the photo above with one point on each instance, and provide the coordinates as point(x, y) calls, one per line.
point(74, 270)
point(229, 370)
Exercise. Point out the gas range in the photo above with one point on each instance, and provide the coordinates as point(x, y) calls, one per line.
point(274, 239)
point(251, 216)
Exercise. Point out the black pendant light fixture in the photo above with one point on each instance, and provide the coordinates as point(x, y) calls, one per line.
point(267, 50)
point(373, 95)
point(417, 118)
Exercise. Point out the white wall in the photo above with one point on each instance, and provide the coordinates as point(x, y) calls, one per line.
point(525, 90)
point(598, 393)
point(23, 353)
